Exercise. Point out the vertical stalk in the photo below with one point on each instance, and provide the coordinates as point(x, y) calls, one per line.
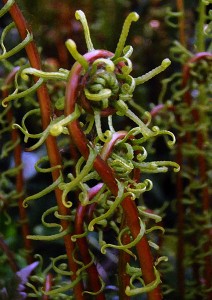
point(182, 35)
point(124, 258)
point(199, 117)
point(51, 145)
point(19, 176)
point(200, 38)
point(179, 160)
point(180, 225)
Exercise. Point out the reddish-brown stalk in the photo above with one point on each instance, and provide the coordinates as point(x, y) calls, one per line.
point(179, 160)
point(182, 35)
point(197, 118)
point(93, 275)
point(124, 258)
point(180, 222)
point(87, 212)
point(15, 136)
point(10, 255)
point(51, 145)
point(202, 164)
point(107, 174)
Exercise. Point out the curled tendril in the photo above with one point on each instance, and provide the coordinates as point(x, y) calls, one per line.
point(132, 291)
point(44, 192)
point(63, 217)
point(63, 288)
point(58, 269)
point(127, 88)
point(61, 75)
point(157, 166)
point(45, 170)
point(157, 132)
point(8, 147)
point(111, 210)
point(121, 165)
point(132, 17)
point(127, 68)
point(179, 53)
point(104, 94)
point(81, 16)
point(160, 259)
point(84, 267)
point(67, 187)
point(127, 51)
point(74, 237)
point(100, 290)
point(15, 95)
point(155, 228)
point(72, 48)
point(129, 150)
point(35, 292)
point(11, 172)
point(140, 188)
point(126, 247)
point(48, 212)
point(109, 65)
point(51, 237)
point(165, 63)
point(106, 136)
point(6, 7)
point(172, 15)
point(6, 54)
point(165, 83)
point(127, 112)
point(55, 128)
point(144, 213)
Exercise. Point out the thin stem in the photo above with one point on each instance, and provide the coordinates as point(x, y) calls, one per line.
point(200, 38)
point(4, 247)
point(182, 35)
point(15, 136)
point(180, 224)
point(199, 118)
point(52, 149)
point(124, 258)
point(93, 276)
point(107, 175)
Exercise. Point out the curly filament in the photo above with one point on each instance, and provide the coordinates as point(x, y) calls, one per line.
point(6, 7)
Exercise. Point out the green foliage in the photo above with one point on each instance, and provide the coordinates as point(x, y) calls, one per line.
point(94, 144)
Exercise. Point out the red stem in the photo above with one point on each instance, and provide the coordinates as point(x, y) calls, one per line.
point(15, 136)
point(180, 8)
point(106, 173)
point(196, 117)
point(180, 224)
point(93, 275)
point(51, 145)
point(202, 163)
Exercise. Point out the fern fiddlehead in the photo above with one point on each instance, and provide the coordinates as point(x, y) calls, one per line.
point(98, 86)
point(99, 94)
